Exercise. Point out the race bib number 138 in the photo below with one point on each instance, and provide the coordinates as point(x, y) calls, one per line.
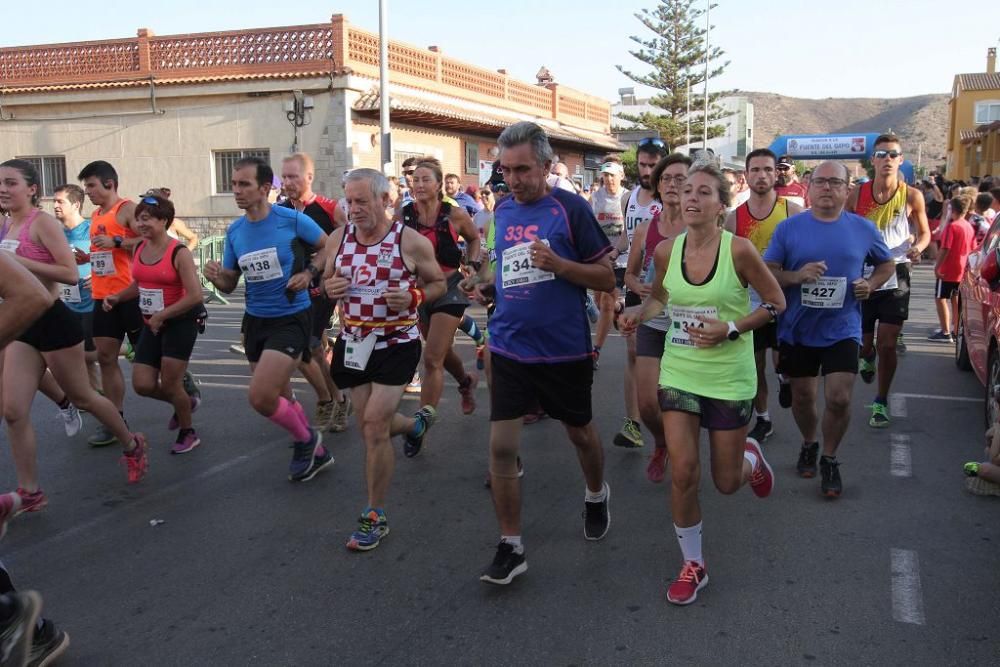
point(260, 265)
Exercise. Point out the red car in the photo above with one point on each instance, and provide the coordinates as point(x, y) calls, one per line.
point(977, 346)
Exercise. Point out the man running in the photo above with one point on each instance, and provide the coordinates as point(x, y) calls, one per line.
point(756, 219)
point(379, 347)
point(550, 251)
point(265, 246)
point(893, 207)
point(817, 257)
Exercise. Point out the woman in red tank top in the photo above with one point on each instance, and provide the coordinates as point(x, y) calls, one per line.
point(166, 281)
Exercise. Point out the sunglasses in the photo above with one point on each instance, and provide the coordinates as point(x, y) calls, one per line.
point(782, 167)
point(150, 201)
point(653, 141)
point(886, 154)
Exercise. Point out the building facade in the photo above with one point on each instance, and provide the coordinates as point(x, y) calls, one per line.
point(973, 107)
point(178, 111)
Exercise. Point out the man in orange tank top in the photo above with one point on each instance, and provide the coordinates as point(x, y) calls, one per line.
point(112, 240)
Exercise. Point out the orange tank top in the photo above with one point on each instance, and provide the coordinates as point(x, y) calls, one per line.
point(111, 269)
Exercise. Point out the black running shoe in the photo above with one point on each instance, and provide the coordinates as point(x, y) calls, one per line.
point(597, 517)
point(424, 419)
point(303, 458)
point(505, 566)
point(785, 394)
point(807, 459)
point(49, 644)
point(762, 430)
point(831, 485)
point(17, 632)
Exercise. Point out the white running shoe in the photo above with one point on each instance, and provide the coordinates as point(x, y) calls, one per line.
point(72, 421)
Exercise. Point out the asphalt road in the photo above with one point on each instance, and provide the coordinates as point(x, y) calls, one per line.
point(247, 568)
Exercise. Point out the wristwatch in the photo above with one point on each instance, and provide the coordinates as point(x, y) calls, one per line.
point(734, 333)
point(118, 241)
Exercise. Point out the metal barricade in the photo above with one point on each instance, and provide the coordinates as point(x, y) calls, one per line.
point(210, 250)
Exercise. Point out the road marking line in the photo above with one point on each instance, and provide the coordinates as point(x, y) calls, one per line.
point(907, 598)
point(897, 405)
point(933, 397)
point(899, 455)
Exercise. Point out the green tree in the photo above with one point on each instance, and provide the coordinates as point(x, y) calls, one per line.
point(676, 54)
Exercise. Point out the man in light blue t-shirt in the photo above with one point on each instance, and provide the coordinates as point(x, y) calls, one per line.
point(818, 258)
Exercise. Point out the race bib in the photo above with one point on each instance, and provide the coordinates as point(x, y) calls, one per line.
point(826, 292)
point(102, 263)
point(357, 352)
point(10, 245)
point(70, 293)
point(150, 301)
point(516, 269)
point(261, 265)
point(891, 283)
point(684, 317)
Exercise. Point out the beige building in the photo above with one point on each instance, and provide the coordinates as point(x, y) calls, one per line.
point(178, 110)
point(974, 105)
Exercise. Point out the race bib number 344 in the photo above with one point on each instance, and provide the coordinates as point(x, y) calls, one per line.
point(260, 265)
point(684, 318)
point(517, 269)
point(826, 292)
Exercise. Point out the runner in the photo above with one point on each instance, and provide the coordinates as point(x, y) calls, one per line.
point(707, 372)
point(893, 207)
point(650, 337)
point(264, 247)
point(332, 405)
point(817, 257)
point(551, 251)
point(55, 340)
point(755, 220)
point(166, 282)
point(379, 346)
point(442, 223)
point(787, 184)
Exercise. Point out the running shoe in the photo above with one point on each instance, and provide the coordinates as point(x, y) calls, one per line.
point(520, 473)
point(127, 350)
point(593, 313)
point(971, 469)
point(372, 527)
point(807, 459)
point(684, 589)
point(630, 436)
point(505, 566)
point(136, 461)
point(480, 356)
point(238, 348)
point(657, 467)
point(186, 441)
point(900, 345)
point(761, 477)
point(596, 354)
point(424, 419)
point(940, 337)
point(102, 437)
point(175, 423)
point(71, 419)
point(18, 631)
point(324, 415)
point(762, 430)
point(982, 487)
point(829, 468)
point(31, 501)
point(48, 644)
point(341, 411)
point(415, 385)
point(880, 415)
point(866, 369)
point(785, 394)
point(191, 385)
point(305, 463)
point(468, 392)
point(10, 507)
point(597, 516)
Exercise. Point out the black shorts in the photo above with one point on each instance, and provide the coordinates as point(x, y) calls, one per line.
point(620, 277)
point(321, 310)
point(802, 361)
point(649, 342)
point(454, 302)
point(888, 306)
point(175, 341)
point(125, 319)
point(56, 329)
point(766, 337)
point(944, 289)
point(288, 334)
point(393, 366)
point(716, 414)
point(562, 389)
point(86, 320)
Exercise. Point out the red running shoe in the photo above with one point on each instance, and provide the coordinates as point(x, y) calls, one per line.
point(684, 589)
point(761, 477)
point(136, 461)
point(468, 393)
point(31, 502)
point(657, 467)
point(10, 506)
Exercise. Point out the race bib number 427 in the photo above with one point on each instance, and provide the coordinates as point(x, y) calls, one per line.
point(260, 265)
point(826, 292)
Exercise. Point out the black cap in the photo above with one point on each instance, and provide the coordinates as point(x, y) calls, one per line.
point(786, 160)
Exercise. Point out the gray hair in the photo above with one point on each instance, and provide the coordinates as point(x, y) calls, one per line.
point(526, 132)
point(377, 181)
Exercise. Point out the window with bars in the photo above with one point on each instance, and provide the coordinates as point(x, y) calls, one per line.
point(51, 170)
point(225, 161)
point(471, 157)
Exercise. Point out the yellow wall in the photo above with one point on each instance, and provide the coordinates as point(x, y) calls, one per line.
point(962, 113)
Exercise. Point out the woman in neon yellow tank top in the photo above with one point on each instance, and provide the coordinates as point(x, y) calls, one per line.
point(707, 377)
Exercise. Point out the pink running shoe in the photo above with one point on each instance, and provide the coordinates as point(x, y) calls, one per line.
point(174, 424)
point(136, 461)
point(657, 467)
point(10, 506)
point(186, 443)
point(761, 477)
point(684, 589)
point(31, 502)
point(468, 393)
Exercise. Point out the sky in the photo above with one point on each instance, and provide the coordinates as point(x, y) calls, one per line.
point(800, 49)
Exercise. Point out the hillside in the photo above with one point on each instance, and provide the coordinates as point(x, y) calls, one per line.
point(917, 120)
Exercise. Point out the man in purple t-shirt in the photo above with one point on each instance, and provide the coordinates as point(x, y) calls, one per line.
point(550, 250)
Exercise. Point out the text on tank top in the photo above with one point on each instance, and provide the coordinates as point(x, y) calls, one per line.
point(111, 269)
point(636, 214)
point(889, 216)
point(160, 285)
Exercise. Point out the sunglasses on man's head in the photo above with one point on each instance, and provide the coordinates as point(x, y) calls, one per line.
point(653, 141)
point(151, 201)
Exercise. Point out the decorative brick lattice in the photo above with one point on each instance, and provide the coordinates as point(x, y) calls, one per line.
point(242, 49)
point(600, 114)
point(362, 47)
point(415, 62)
point(572, 106)
point(485, 82)
point(80, 62)
point(532, 96)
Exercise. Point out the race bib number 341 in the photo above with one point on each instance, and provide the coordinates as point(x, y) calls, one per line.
point(684, 318)
point(826, 292)
point(517, 269)
point(260, 265)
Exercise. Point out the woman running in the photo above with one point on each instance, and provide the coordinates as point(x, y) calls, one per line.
point(55, 340)
point(166, 281)
point(442, 224)
point(708, 378)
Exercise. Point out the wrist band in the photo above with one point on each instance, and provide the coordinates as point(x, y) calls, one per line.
point(771, 310)
point(416, 297)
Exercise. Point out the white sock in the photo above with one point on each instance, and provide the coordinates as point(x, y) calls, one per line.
point(514, 541)
point(752, 458)
point(690, 541)
point(766, 416)
point(597, 496)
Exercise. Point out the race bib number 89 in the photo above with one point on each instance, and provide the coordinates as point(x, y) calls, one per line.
point(102, 263)
point(826, 292)
point(261, 265)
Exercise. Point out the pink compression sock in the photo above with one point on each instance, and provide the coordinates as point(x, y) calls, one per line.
point(286, 417)
point(301, 413)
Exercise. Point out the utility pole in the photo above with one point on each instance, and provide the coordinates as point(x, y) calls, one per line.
point(708, 27)
point(383, 82)
point(689, 110)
